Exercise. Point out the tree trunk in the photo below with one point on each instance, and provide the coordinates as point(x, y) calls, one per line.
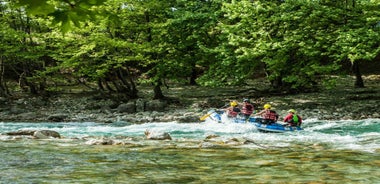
point(107, 85)
point(134, 90)
point(128, 83)
point(194, 71)
point(100, 85)
point(157, 84)
point(277, 83)
point(3, 88)
point(358, 80)
point(193, 76)
point(158, 92)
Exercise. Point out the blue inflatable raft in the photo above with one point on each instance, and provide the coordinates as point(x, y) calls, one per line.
point(216, 116)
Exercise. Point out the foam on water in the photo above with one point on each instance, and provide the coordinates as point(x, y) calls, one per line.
point(343, 134)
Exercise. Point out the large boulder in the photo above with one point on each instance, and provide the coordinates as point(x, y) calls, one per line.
point(156, 105)
point(21, 132)
point(57, 117)
point(46, 134)
point(157, 135)
point(129, 107)
point(39, 134)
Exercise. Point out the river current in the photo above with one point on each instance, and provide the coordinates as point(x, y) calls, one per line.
point(344, 151)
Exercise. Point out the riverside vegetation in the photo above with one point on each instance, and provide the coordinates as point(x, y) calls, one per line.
point(127, 50)
point(188, 103)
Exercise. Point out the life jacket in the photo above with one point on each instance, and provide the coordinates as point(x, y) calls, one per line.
point(294, 121)
point(247, 109)
point(233, 112)
point(295, 118)
point(270, 115)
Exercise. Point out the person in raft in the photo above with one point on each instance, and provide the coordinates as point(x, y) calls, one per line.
point(233, 110)
point(269, 116)
point(293, 119)
point(247, 108)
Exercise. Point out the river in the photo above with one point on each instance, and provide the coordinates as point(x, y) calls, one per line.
point(344, 151)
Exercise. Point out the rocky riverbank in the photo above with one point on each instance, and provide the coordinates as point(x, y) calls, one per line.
point(188, 103)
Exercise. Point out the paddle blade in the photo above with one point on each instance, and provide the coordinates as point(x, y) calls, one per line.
point(204, 117)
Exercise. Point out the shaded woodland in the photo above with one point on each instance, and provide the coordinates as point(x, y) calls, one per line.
point(116, 46)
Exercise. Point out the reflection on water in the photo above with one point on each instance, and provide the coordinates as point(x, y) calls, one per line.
point(326, 152)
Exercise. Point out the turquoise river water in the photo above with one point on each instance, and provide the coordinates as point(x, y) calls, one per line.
point(345, 151)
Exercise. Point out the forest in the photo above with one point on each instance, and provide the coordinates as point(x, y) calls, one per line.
point(115, 46)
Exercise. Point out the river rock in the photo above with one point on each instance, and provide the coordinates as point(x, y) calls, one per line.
point(46, 134)
point(239, 141)
point(101, 142)
point(220, 141)
point(17, 110)
point(140, 105)
point(186, 118)
point(214, 140)
point(129, 107)
point(28, 116)
point(210, 145)
point(212, 136)
point(157, 135)
point(3, 100)
point(156, 105)
point(21, 132)
point(57, 117)
point(375, 115)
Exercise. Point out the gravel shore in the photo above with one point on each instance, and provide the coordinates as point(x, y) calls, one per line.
point(188, 103)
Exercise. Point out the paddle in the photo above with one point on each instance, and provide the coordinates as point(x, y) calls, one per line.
point(204, 117)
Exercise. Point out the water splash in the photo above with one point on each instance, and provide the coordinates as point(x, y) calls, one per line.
point(343, 134)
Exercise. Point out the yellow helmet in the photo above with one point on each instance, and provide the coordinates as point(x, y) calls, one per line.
point(267, 106)
point(233, 103)
point(292, 111)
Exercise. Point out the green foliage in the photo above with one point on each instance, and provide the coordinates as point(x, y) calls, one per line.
point(40, 7)
point(329, 83)
point(64, 13)
point(212, 43)
point(187, 34)
point(292, 40)
point(358, 38)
